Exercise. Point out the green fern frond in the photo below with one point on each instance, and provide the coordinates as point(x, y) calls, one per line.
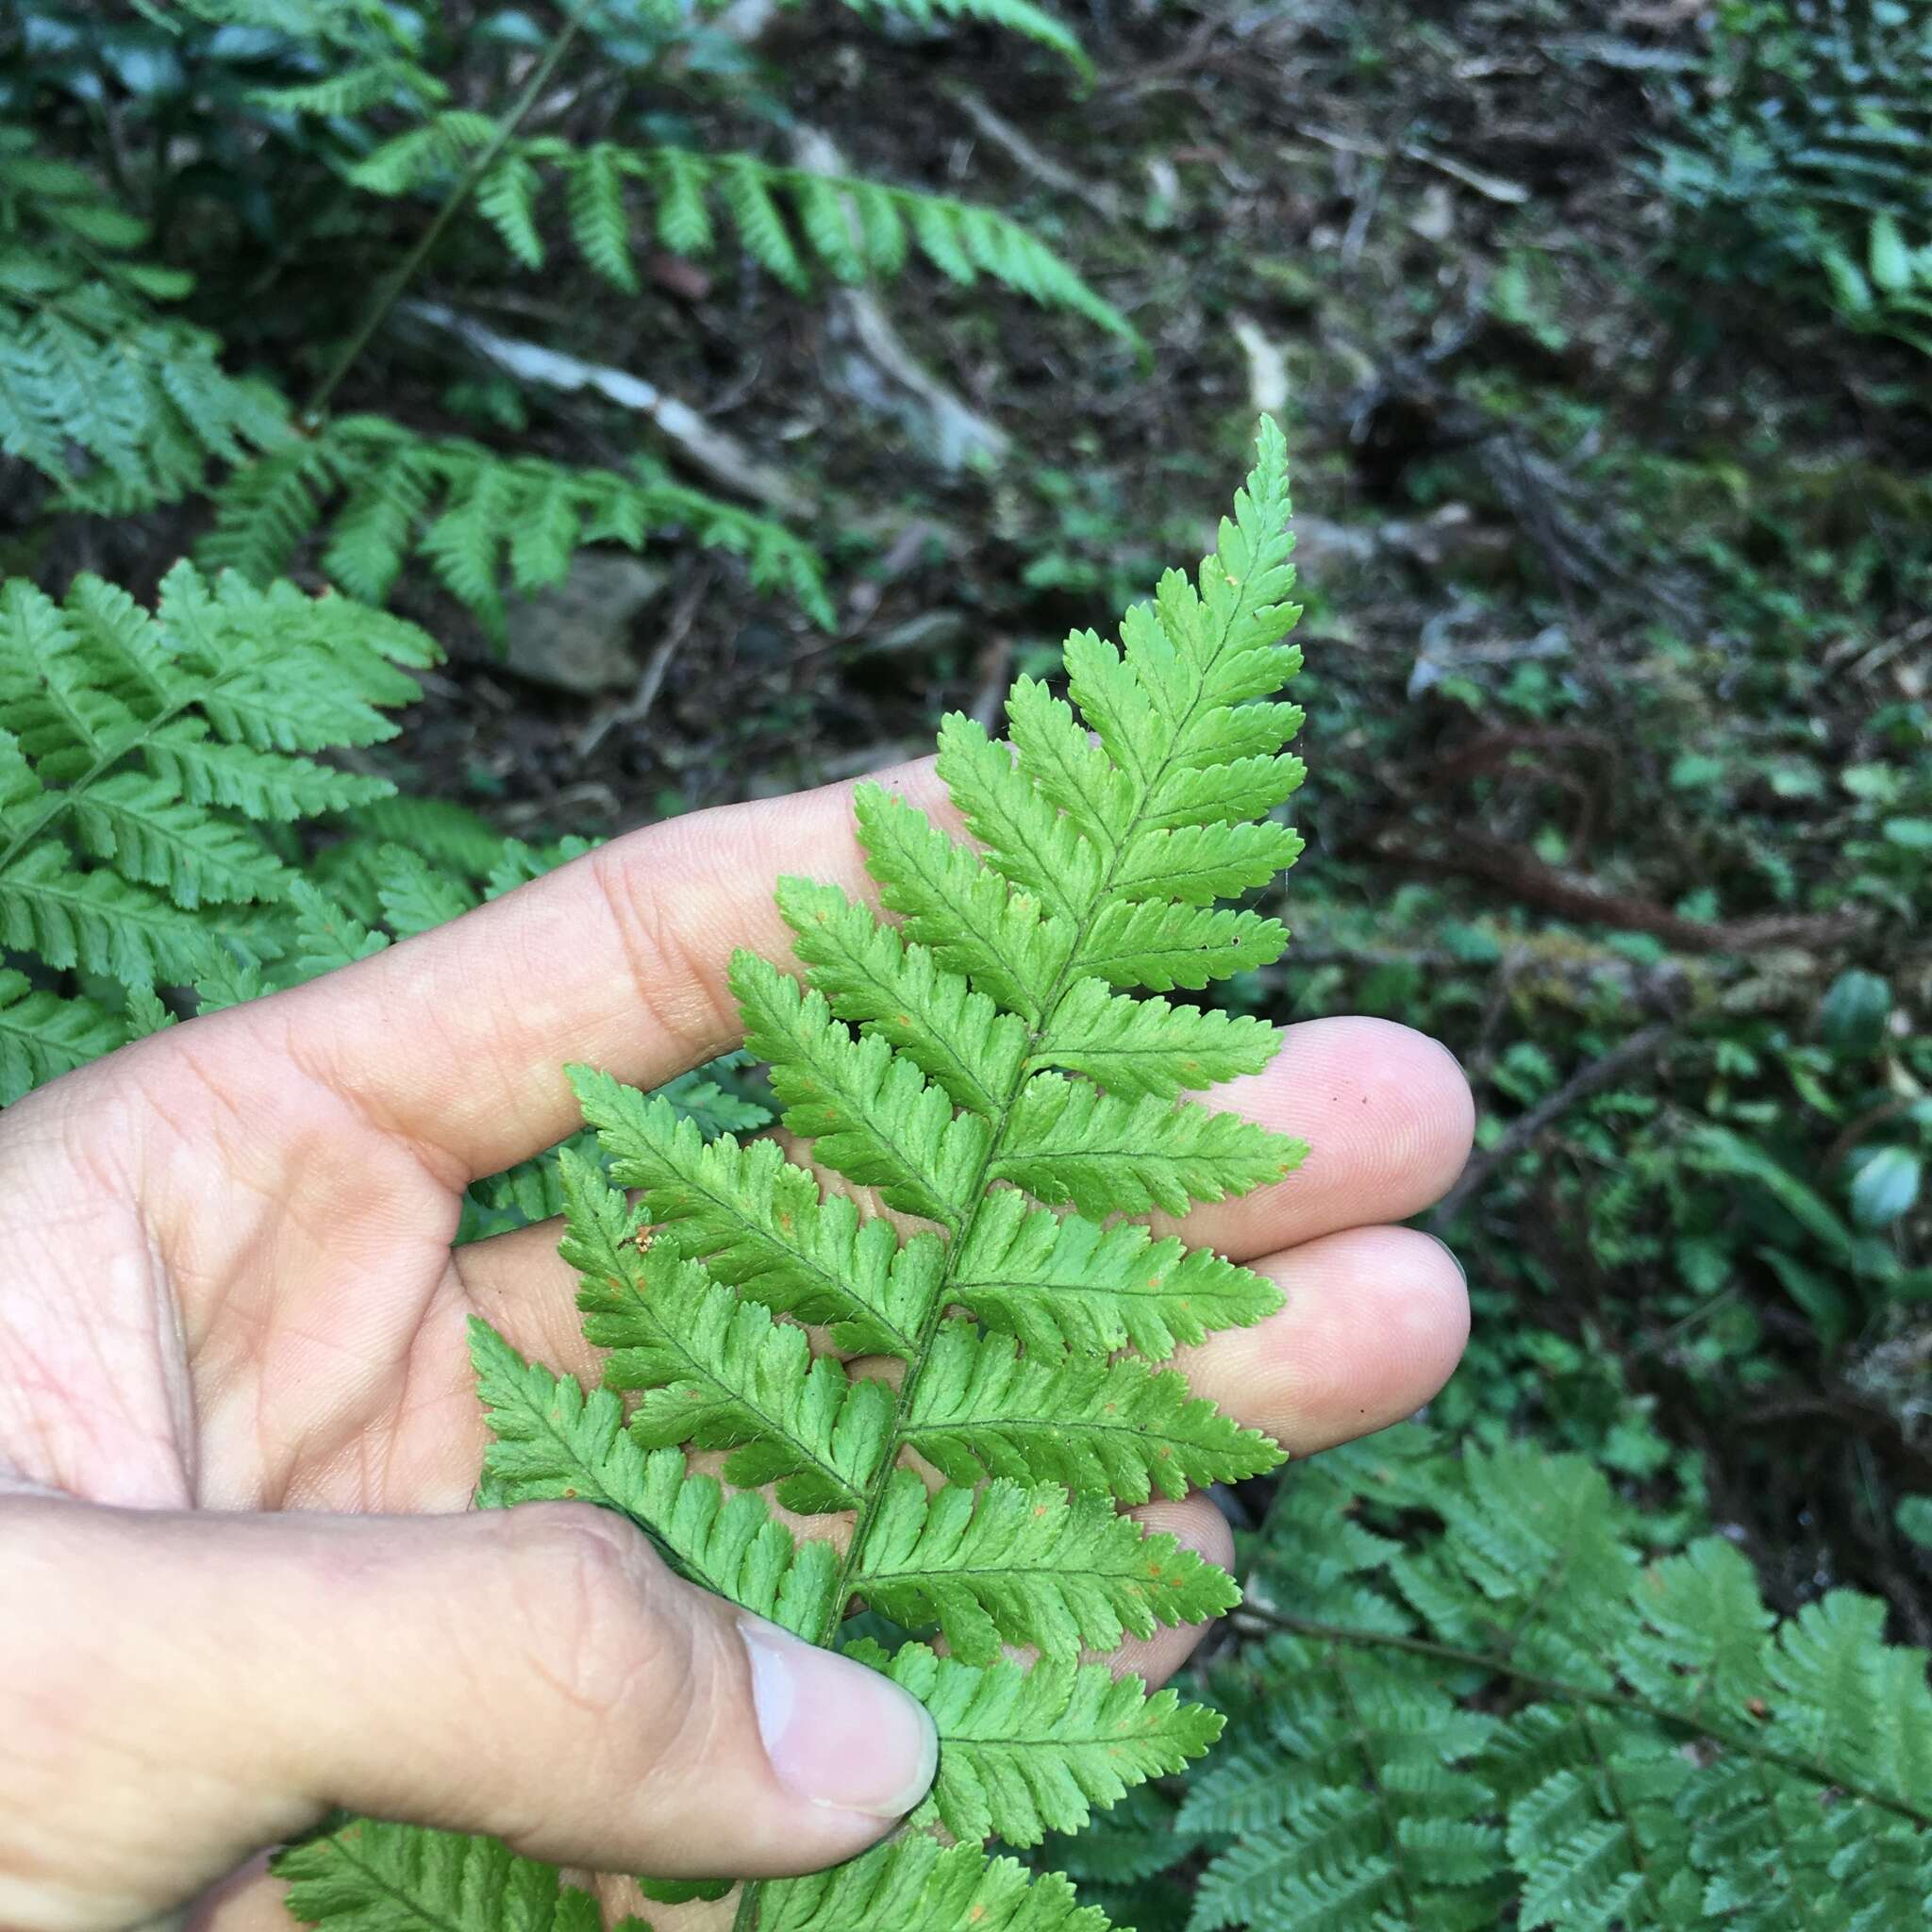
point(1674, 1756)
point(377, 496)
point(1147, 1047)
point(95, 921)
point(870, 1112)
point(714, 1098)
point(555, 1443)
point(325, 935)
point(118, 407)
point(415, 897)
point(119, 410)
point(43, 1035)
point(852, 228)
point(1027, 1565)
point(763, 1224)
point(426, 154)
point(143, 752)
point(925, 1060)
point(1061, 1282)
point(137, 820)
point(389, 81)
point(1078, 1146)
point(950, 1031)
point(369, 1876)
point(913, 1881)
point(719, 1372)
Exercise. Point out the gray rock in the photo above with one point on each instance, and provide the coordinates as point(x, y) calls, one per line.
point(576, 636)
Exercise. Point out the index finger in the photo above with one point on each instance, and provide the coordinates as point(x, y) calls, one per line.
point(456, 1040)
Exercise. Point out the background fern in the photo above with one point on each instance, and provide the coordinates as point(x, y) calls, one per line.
point(121, 405)
point(483, 525)
point(1810, 161)
point(1479, 1695)
point(117, 405)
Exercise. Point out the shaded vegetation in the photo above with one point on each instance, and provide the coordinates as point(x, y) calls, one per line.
point(1600, 335)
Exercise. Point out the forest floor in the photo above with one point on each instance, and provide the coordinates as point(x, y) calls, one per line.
point(1615, 640)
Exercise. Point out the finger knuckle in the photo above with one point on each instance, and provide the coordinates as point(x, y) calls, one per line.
point(678, 989)
point(596, 1614)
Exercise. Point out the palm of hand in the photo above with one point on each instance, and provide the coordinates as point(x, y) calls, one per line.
point(273, 1310)
point(226, 1278)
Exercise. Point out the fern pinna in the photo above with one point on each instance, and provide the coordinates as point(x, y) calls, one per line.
point(983, 1066)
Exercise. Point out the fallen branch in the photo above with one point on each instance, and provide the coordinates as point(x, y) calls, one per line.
point(719, 455)
point(1524, 876)
point(1100, 196)
point(1521, 1132)
point(636, 708)
point(1491, 187)
point(959, 434)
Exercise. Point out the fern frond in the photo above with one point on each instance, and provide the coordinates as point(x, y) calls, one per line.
point(378, 495)
point(447, 834)
point(870, 1113)
point(1011, 16)
point(278, 787)
point(1674, 1756)
point(1061, 1282)
point(153, 835)
point(850, 227)
point(140, 755)
point(424, 155)
point(982, 1408)
point(1367, 1817)
point(1014, 1564)
point(355, 89)
point(1147, 1047)
point(1074, 1144)
point(719, 1372)
point(415, 897)
point(117, 407)
point(95, 921)
point(897, 992)
point(939, 1061)
point(325, 935)
point(955, 903)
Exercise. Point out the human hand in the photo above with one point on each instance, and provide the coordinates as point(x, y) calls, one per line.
point(239, 1432)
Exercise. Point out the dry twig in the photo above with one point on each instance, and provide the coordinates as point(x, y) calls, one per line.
point(1603, 1072)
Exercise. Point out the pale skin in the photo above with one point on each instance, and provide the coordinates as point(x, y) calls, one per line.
point(239, 1433)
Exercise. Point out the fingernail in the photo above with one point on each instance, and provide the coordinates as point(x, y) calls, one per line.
point(1453, 1255)
point(836, 1733)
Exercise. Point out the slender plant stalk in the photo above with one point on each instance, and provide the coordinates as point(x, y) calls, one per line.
point(399, 277)
point(1580, 1694)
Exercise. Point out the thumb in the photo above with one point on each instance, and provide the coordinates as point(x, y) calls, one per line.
point(181, 1689)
